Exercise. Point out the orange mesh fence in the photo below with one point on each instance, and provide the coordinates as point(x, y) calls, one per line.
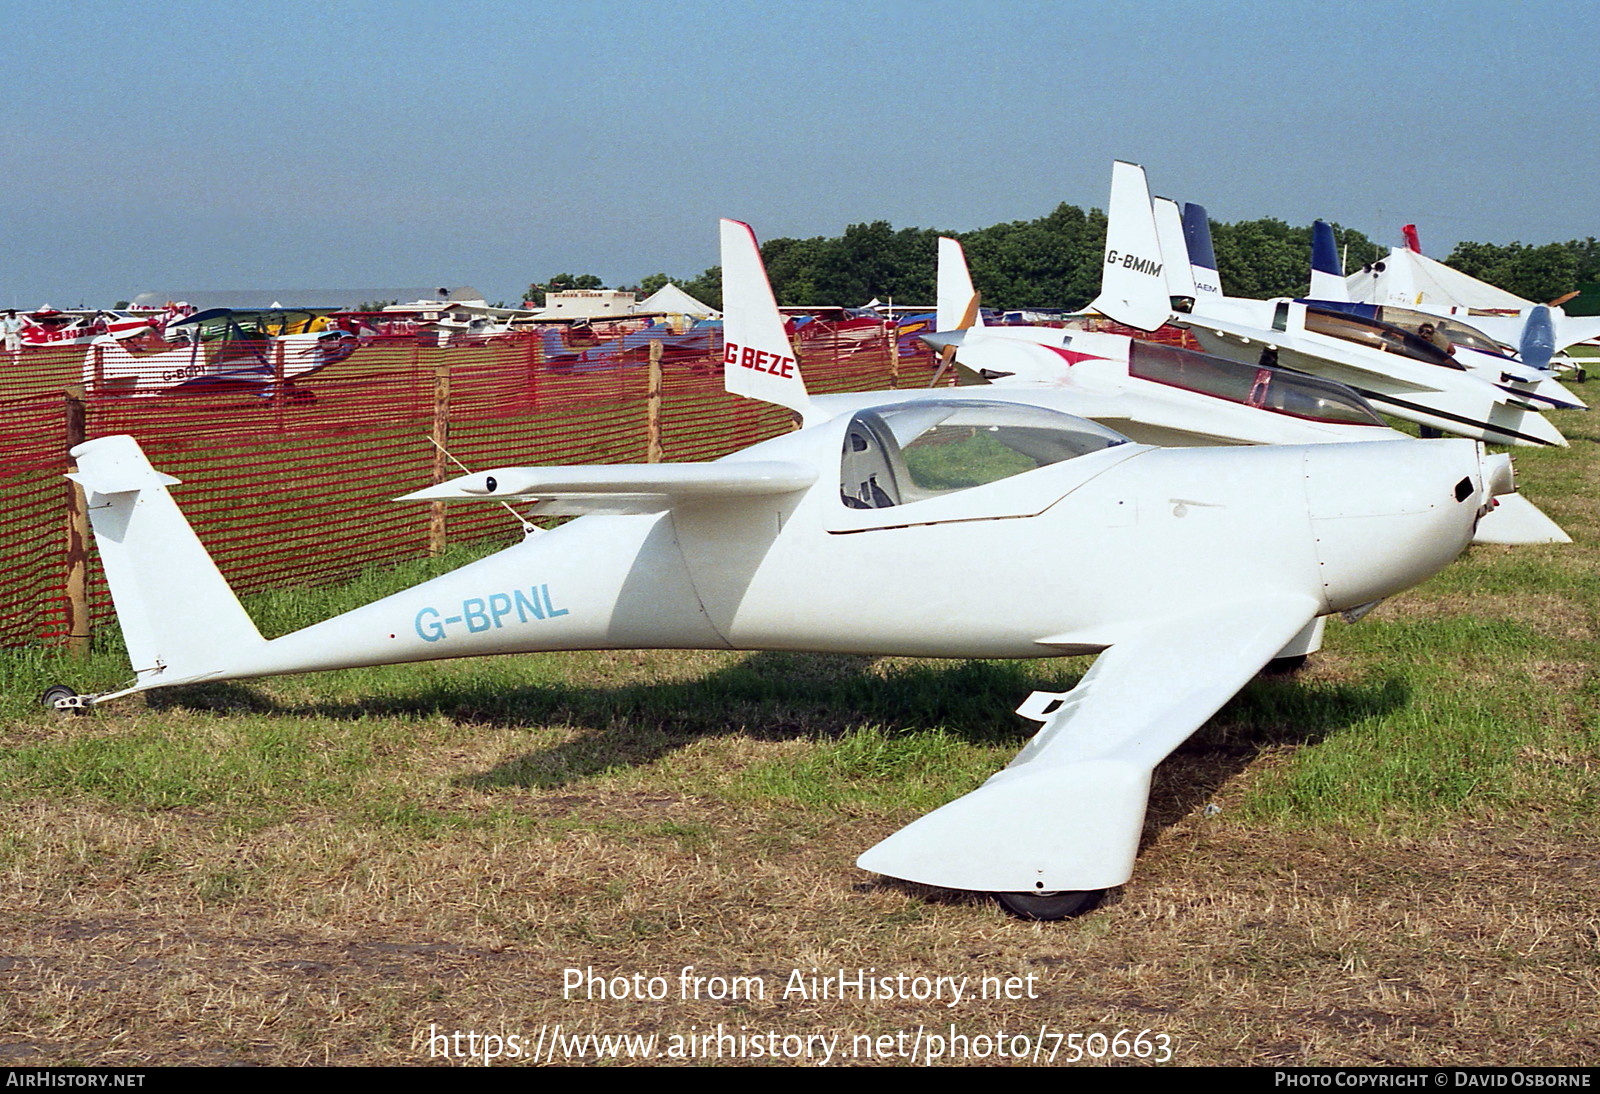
point(294, 483)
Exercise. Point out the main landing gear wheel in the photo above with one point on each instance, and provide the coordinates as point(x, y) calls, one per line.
point(55, 693)
point(1050, 906)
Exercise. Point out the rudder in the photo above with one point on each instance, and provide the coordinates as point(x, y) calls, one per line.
point(179, 617)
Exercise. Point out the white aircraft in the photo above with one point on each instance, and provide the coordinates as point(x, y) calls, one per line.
point(1408, 278)
point(222, 348)
point(1186, 570)
point(1151, 392)
point(1162, 394)
point(1524, 372)
point(1398, 372)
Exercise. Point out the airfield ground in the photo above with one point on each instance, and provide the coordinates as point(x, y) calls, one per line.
point(1389, 858)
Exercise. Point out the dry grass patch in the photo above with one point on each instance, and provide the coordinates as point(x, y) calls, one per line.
point(1387, 858)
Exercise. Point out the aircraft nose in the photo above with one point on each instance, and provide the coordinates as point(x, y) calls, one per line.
point(1391, 514)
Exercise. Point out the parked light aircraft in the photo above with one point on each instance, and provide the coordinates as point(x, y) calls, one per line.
point(51, 327)
point(1162, 394)
point(1409, 278)
point(1186, 570)
point(1398, 372)
point(1524, 372)
point(222, 348)
point(631, 347)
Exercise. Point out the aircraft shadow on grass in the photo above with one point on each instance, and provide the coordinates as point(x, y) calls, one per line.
point(789, 696)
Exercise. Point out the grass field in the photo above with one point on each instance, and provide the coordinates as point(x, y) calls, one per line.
point(1388, 858)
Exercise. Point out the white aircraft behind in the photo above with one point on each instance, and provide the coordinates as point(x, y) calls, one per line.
point(222, 349)
point(1399, 373)
point(1185, 570)
point(1408, 278)
point(1524, 372)
point(1162, 394)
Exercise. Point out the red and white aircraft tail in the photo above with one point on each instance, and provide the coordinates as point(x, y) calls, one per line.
point(758, 361)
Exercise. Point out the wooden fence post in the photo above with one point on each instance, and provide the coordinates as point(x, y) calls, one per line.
point(535, 358)
point(652, 406)
point(277, 384)
point(894, 355)
point(79, 632)
point(794, 351)
point(441, 443)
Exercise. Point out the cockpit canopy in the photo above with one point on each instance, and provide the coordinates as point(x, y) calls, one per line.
point(1272, 389)
point(1376, 335)
point(1440, 330)
point(909, 452)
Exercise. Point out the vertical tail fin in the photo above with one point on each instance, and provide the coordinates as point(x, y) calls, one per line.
point(1133, 289)
point(1413, 241)
point(179, 617)
point(1327, 272)
point(758, 361)
point(1174, 249)
point(1202, 258)
point(955, 291)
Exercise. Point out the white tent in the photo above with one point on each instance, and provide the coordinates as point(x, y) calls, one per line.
point(671, 300)
point(1412, 280)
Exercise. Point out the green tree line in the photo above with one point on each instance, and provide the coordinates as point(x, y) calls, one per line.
point(1054, 262)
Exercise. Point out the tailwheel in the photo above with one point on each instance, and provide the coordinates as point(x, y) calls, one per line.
point(1050, 906)
point(63, 700)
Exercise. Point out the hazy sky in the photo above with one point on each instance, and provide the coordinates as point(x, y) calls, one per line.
point(193, 145)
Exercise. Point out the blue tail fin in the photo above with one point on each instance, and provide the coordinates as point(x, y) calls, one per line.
point(1327, 272)
point(1202, 259)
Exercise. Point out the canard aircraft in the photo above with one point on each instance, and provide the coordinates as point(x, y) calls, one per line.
point(1400, 373)
point(1185, 569)
point(1525, 371)
point(1408, 278)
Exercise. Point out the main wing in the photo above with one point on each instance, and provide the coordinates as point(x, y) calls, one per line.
point(624, 488)
point(1067, 812)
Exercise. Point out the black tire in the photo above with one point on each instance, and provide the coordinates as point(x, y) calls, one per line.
point(59, 691)
point(1046, 907)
